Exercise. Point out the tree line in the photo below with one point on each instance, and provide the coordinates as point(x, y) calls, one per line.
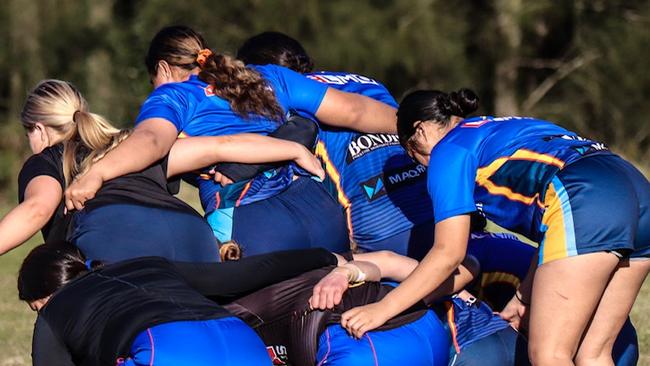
point(580, 63)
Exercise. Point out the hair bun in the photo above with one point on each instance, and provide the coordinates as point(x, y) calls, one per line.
point(464, 102)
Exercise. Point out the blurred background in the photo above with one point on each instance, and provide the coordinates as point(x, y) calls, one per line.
point(580, 63)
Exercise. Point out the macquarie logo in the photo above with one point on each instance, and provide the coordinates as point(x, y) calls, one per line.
point(404, 176)
point(381, 185)
point(374, 188)
point(363, 144)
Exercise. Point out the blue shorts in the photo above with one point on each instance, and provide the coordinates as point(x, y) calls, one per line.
point(225, 341)
point(122, 231)
point(423, 342)
point(303, 216)
point(599, 203)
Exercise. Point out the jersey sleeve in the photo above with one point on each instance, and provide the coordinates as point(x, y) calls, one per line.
point(47, 348)
point(451, 180)
point(37, 165)
point(299, 92)
point(252, 273)
point(167, 102)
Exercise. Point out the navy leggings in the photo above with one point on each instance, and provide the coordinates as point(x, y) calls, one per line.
point(121, 231)
point(302, 216)
point(503, 348)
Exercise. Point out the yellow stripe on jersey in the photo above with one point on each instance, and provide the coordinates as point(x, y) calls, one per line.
point(321, 153)
point(483, 175)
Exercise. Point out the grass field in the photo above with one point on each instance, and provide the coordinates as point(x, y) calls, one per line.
point(16, 319)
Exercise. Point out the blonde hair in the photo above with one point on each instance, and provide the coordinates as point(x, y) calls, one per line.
point(245, 89)
point(52, 103)
point(92, 137)
point(59, 105)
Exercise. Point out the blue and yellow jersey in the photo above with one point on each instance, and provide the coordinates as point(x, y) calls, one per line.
point(194, 109)
point(502, 167)
point(382, 190)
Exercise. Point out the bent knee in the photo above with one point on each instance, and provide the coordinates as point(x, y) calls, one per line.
point(546, 356)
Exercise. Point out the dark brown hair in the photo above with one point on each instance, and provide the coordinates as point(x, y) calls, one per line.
point(432, 105)
point(47, 268)
point(247, 92)
point(278, 49)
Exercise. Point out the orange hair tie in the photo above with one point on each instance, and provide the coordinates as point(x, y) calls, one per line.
point(202, 56)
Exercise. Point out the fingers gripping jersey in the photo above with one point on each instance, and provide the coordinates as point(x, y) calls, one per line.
point(195, 110)
point(379, 185)
point(502, 167)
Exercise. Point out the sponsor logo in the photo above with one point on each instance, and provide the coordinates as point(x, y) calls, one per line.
point(588, 148)
point(374, 188)
point(592, 148)
point(404, 176)
point(380, 185)
point(342, 79)
point(278, 354)
point(363, 144)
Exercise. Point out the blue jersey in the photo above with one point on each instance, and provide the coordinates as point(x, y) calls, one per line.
point(502, 167)
point(194, 109)
point(382, 190)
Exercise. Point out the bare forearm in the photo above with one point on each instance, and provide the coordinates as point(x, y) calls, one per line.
point(357, 112)
point(134, 154)
point(20, 224)
point(432, 272)
point(392, 265)
point(526, 285)
point(198, 152)
point(453, 284)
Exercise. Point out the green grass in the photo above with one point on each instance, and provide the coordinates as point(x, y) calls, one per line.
point(16, 319)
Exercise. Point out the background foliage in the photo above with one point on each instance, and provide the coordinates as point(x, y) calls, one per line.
point(581, 63)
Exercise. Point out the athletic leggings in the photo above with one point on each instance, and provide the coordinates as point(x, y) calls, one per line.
point(226, 342)
point(303, 216)
point(123, 231)
point(423, 342)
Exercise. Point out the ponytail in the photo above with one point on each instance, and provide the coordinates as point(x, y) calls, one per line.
point(230, 251)
point(434, 106)
point(90, 139)
point(245, 89)
point(47, 268)
point(463, 102)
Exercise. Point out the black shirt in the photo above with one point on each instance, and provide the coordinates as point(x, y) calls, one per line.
point(94, 319)
point(49, 162)
point(148, 187)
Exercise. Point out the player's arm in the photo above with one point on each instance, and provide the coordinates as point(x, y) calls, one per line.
point(43, 195)
point(356, 112)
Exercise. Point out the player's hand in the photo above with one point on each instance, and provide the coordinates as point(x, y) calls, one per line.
point(514, 312)
point(329, 291)
point(362, 319)
point(308, 161)
point(82, 189)
point(220, 178)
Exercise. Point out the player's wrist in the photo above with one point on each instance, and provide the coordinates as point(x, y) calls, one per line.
point(522, 300)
